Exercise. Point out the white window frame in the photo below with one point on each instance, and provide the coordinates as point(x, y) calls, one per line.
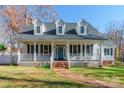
point(85, 29)
point(35, 30)
point(43, 49)
point(57, 29)
point(72, 54)
point(108, 51)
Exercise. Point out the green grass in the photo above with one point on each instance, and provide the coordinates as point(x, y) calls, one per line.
point(110, 74)
point(33, 77)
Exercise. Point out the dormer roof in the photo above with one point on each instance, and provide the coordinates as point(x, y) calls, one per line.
point(60, 22)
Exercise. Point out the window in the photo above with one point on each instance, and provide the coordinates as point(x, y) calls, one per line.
point(74, 49)
point(60, 29)
point(37, 49)
point(111, 51)
point(38, 29)
point(82, 29)
point(32, 49)
point(41, 49)
point(70, 49)
point(91, 50)
point(28, 48)
point(49, 48)
point(78, 48)
point(83, 50)
point(105, 51)
point(45, 49)
point(88, 49)
point(108, 51)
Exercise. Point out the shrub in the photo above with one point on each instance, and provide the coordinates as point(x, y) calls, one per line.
point(2, 47)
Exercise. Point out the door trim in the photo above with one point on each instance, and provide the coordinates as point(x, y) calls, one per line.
point(56, 51)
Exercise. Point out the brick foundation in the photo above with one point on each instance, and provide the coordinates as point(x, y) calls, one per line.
point(60, 64)
point(107, 62)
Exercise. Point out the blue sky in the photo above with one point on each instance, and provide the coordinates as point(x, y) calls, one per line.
point(97, 15)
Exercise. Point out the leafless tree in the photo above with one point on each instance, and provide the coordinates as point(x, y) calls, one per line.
point(13, 18)
point(115, 32)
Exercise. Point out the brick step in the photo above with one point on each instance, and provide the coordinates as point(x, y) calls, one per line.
point(60, 64)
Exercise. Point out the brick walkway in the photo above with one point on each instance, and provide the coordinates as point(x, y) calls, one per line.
point(86, 80)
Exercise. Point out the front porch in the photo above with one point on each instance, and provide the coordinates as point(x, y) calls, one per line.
point(74, 53)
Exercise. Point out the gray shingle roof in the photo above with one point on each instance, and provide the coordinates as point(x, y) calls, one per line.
point(70, 32)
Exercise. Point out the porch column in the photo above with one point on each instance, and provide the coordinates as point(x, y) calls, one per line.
point(81, 51)
point(90, 52)
point(113, 50)
point(35, 52)
point(101, 55)
point(19, 55)
point(68, 55)
point(85, 53)
point(52, 54)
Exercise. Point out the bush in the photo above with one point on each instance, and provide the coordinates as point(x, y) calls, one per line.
point(2, 47)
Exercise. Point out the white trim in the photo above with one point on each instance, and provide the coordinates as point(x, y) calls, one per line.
point(68, 54)
point(19, 54)
point(85, 52)
point(56, 51)
point(52, 54)
point(35, 56)
point(57, 29)
point(85, 29)
point(35, 30)
point(58, 23)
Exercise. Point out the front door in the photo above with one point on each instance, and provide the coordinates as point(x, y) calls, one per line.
point(60, 53)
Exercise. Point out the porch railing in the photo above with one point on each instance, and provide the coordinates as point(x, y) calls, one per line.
point(88, 57)
point(39, 57)
point(30, 57)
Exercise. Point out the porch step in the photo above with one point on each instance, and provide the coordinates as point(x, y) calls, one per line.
point(60, 64)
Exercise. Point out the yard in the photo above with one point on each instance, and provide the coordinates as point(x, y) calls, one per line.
point(43, 77)
point(17, 76)
point(113, 74)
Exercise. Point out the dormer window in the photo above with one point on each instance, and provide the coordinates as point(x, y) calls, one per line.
point(82, 29)
point(38, 29)
point(60, 29)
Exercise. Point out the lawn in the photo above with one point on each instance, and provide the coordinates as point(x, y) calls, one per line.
point(33, 77)
point(110, 74)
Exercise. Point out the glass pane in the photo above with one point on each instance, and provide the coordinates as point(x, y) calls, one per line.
point(41, 49)
point(32, 49)
point(88, 50)
point(74, 49)
point(91, 50)
point(60, 29)
point(82, 29)
point(107, 51)
point(50, 49)
point(45, 49)
point(37, 49)
point(104, 51)
point(38, 29)
point(28, 48)
point(78, 48)
point(83, 50)
point(70, 49)
point(111, 51)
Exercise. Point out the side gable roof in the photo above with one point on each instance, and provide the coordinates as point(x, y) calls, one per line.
point(70, 31)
